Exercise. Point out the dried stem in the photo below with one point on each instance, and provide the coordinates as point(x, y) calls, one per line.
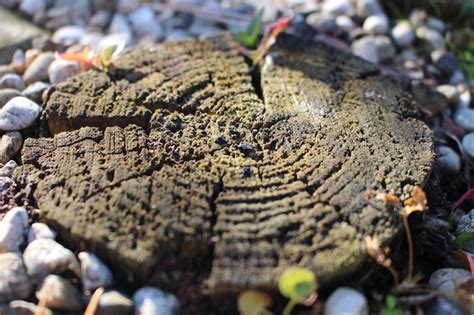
point(94, 302)
point(410, 245)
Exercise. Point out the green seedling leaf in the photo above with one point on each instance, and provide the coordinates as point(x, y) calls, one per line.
point(297, 284)
point(466, 241)
point(253, 302)
point(249, 38)
point(390, 306)
point(468, 8)
point(107, 53)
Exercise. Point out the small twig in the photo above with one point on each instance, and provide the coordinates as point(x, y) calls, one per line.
point(410, 245)
point(94, 302)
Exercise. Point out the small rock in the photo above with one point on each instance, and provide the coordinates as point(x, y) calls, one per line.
point(446, 62)
point(100, 19)
point(94, 273)
point(90, 40)
point(59, 293)
point(7, 94)
point(149, 300)
point(345, 23)
point(40, 230)
point(365, 8)
point(436, 24)
point(30, 7)
point(127, 6)
point(385, 49)
point(408, 55)
point(35, 90)
point(10, 145)
point(119, 24)
point(464, 118)
point(431, 38)
point(61, 70)
point(114, 303)
point(445, 279)
point(38, 70)
point(448, 159)
point(450, 91)
point(403, 34)
point(14, 282)
point(30, 56)
point(13, 230)
point(457, 78)
point(466, 223)
point(8, 168)
point(19, 307)
point(6, 69)
point(203, 28)
point(323, 23)
point(366, 48)
point(468, 145)
point(465, 99)
point(376, 24)
point(44, 43)
point(346, 301)
point(68, 35)
point(444, 306)
point(19, 113)
point(417, 17)
point(12, 81)
point(45, 256)
point(338, 7)
point(144, 23)
point(5, 184)
point(18, 62)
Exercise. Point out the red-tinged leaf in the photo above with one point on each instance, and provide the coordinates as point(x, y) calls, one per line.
point(468, 195)
point(281, 25)
point(470, 259)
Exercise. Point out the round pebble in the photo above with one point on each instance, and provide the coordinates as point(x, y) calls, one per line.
point(19, 307)
point(19, 113)
point(448, 160)
point(13, 230)
point(365, 8)
point(40, 230)
point(450, 91)
point(38, 69)
point(464, 118)
point(432, 39)
point(8, 169)
point(403, 34)
point(345, 23)
point(30, 7)
point(366, 48)
point(338, 7)
point(445, 279)
point(114, 303)
point(466, 223)
point(94, 273)
point(119, 24)
point(346, 301)
point(468, 145)
point(58, 293)
point(445, 61)
point(35, 90)
point(385, 49)
point(376, 24)
point(45, 256)
point(61, 70)
point(7, 94)
point(149, 300)
point(18, 62)
point(12, 81)
point(10, 145)
point(465, 99)
point(144, 23)
point(436, 24)
point(68, 35)
point(324, 23)
point(14, 282)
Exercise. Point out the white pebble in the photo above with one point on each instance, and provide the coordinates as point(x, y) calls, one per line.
point(61, 70)
point(38, 69)
point(448, 160)
point(433, 39)
point(45, 256)
point(40, 230)
point(403, 34)
point(346, 301)
point(68, 35)
point(94, 272)
point(10, 145)
point(59, 293)
point(367, 8)
point(338, 7)
point(446, 279)
point(13, 230)
point(345, 23)
point(12, 81)
point(18, 113)
point(144, 23)
point(149, 300)
point(376, 24)
point(14, 282)
point(366, 48)
point(8, 169)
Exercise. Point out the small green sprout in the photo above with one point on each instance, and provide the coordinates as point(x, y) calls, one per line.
point(249, 37)
point(390, 306)
point(466, 241)
point(253, 302)
point(299, 285)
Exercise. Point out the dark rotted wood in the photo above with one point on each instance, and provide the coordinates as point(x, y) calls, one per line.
point(174, 157)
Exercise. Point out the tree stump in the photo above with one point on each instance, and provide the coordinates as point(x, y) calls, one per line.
point(179, 156)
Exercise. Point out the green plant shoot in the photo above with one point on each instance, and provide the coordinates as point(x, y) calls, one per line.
point(249, 38)
point(253, 302)
point(297, 284)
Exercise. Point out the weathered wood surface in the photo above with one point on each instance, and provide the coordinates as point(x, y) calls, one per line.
point(176, 157)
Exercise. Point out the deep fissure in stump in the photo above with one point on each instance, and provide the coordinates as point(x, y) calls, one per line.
point(175, 157)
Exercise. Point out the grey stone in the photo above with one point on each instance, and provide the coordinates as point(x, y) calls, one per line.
point(447, 306)
point(35, 91)
point(345, 23)
point(114, 303)
point(347, 301)
point(5, 183)
point(10, 145)
point(19, 35)
point(338, 7)
point(94, 273)
point(464, 117)
point(8, 168)
point(18, 62)
point(45, 256)
point(365, 8)
point(203, 28)
point(403, 34)
point(120, 24)
point(446, 279)
point(324, 23)
point(13, 230)
point(19, 113)
point(100, 19)
point(144, 23)
point(12, 81)
point(432, 39)
point(417, 17)
point(38, 69)
point(436, 24)
point(127, 6)
point(448, 159)
point(149, 300)
point(450, 91)
point(14, 282)
point(366, 48)
point(7, 94)
point(465, 99)
point(30, 7)
point(468, 145)
point(446, 62)
point(466, 223)
point(385, 49)
point(5, 69)
point(376, 24)
point(457, 78)
point(58, 293)
point(40, 230)
point(61, 70)
point(19, 307)
point(68, 35)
